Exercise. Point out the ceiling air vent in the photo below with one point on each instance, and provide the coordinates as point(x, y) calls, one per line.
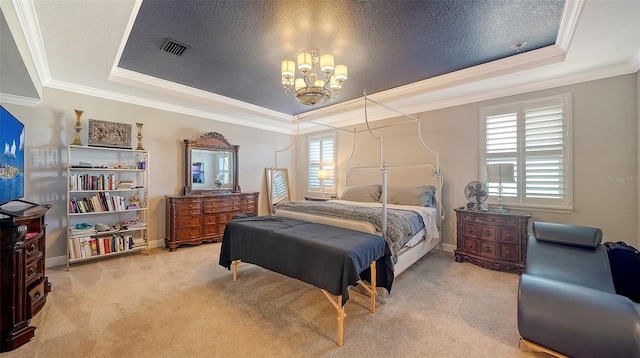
point(174, 47)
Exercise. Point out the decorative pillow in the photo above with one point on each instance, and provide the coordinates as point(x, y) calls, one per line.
point(417, 196)
point(363, 193)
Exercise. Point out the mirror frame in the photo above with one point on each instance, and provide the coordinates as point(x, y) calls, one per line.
point(268, 182)
point(214, 142)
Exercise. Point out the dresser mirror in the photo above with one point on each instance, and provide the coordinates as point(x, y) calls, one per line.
point(210, 165)
point(277, 186)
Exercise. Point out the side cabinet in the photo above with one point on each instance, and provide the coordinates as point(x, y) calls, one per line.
point(23, 283)
point(492, 240)
point(203, 218)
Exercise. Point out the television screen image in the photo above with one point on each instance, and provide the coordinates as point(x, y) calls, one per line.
point(12, 158)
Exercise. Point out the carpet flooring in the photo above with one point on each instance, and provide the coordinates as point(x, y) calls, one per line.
point(183, 304)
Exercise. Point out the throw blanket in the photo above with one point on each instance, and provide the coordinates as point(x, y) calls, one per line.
point(401, 224)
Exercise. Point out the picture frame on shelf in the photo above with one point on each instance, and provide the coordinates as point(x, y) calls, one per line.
point(109, 134)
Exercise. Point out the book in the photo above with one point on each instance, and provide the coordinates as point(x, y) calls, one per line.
point(72, 249)
point(125, 184)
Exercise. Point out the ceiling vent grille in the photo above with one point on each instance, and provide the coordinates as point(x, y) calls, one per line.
point(174, 47)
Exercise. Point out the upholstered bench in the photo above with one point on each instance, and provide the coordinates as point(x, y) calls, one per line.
point(567, 304)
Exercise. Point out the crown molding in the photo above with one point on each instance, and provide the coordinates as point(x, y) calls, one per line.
point(422, 103)
point(28, 19)
point(569, 23)
point(253, 122)
point(19, 100)
point(139, 80)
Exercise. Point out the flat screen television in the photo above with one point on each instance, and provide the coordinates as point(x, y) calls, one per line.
point(12, 159)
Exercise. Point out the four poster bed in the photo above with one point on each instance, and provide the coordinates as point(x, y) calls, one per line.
point(368, 236)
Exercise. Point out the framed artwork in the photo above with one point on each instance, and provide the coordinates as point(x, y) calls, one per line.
point(109, 134)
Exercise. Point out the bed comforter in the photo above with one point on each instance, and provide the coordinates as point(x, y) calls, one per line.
point(402, 224)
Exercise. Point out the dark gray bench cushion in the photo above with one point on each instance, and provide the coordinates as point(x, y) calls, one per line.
point(567, 234)
point(580, 266)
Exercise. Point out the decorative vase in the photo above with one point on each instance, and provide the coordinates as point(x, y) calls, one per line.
point(139, 147)
point(78, 128)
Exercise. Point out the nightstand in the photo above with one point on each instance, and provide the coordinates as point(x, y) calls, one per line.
point(493, 240)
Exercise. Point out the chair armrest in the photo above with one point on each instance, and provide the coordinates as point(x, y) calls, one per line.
point(577, 321)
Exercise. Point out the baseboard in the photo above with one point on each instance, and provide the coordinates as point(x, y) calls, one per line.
point(62, 260)
point(448, 248)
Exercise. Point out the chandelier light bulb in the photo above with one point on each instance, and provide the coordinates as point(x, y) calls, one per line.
point(318, 81)
point(326, 63)
point(288, 68)
point(304, 61)
point(341, 73)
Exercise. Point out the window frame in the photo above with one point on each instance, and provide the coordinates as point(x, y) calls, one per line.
point(520, 201)
point(331, 190)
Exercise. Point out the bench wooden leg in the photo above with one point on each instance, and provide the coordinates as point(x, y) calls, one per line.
point(539, 348)
point(341, 315)
point(234, 265)
point(371, 289)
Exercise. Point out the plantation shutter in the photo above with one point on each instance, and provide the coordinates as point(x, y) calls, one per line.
point(535, 137)
point(544, 143)
point(501, 146)
point(321, 156)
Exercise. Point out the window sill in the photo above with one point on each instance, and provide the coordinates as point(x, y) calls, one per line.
point(552, 209)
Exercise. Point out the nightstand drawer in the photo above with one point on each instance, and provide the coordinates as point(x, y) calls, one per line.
point(488, 249)
point(509, 253)
point(470, 230)
point(470, 245)
point(509, 235)
point(488, 233)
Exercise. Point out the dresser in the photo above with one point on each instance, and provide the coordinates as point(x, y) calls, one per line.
point(23, 284)
point(194, 219)
point(492, 240)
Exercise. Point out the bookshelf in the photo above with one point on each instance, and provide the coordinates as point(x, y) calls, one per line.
point(107, 202)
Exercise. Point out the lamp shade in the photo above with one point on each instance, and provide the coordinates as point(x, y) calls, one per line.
point(501, 173)
point(324, 174)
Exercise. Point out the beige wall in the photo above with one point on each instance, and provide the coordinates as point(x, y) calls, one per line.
point(605, 145)
point(606, 114)
point(49, 128)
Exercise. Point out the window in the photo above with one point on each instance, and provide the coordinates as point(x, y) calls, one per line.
point(322, 156)
point(535, 136)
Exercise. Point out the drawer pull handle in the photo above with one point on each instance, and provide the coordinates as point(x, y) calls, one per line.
point(469, 245)
point(487, 233)
point(37, 296)
point(469, 230)
point(487, 249)
point(31, 272)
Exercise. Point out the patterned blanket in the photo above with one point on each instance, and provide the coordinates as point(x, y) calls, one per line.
point(401, 224)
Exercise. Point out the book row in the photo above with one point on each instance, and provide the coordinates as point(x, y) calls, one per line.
point(89, 246)
point(102, 201)
point(82, 182)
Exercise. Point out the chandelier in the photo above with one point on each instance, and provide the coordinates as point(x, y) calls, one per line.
point(309, 89)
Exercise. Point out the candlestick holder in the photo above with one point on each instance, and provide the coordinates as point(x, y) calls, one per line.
point(139, 147)
point(78, 128)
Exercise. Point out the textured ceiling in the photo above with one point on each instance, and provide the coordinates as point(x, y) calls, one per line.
point(236, 46)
